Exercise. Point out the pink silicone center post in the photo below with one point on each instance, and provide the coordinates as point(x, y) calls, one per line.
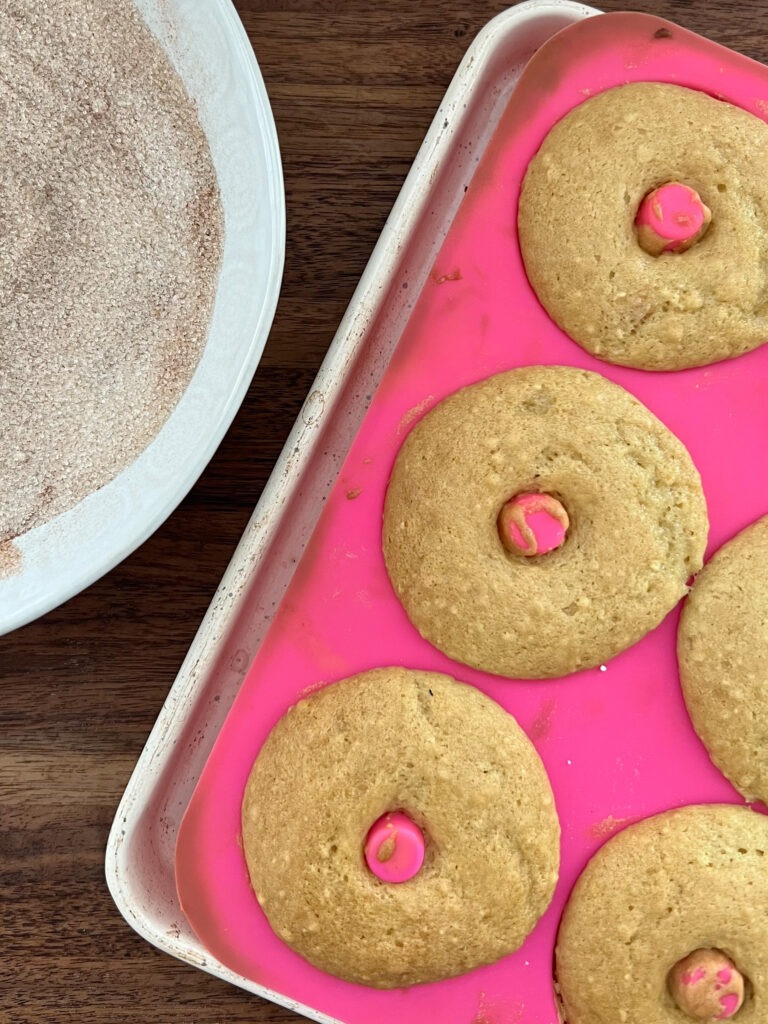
point(394, 848)
point(671, 218)
point(707, 986)
point(533, 524)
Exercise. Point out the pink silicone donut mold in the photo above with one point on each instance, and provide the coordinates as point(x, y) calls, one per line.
point(616, 740)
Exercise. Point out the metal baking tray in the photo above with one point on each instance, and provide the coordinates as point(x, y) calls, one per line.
point(141, 849)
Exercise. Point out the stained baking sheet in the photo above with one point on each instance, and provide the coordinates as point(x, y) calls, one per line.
point(424, 295)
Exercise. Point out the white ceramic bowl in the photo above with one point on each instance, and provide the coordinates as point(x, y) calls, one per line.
point(207, 45)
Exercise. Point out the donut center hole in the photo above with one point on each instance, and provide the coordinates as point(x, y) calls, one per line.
point(394, 848)
point(533, 524)
point(671, 218)
point(707, 985)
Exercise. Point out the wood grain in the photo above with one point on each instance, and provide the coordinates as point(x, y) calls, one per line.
point(353, 86)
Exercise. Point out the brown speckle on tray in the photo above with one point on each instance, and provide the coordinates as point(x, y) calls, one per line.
point(454, 275)
point(662, 33)
point(240, 661)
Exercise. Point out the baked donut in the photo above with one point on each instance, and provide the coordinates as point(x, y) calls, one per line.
point(636, 522)
point(723, 657)
point(580, 244)
point(460, 768)
point(685, 889)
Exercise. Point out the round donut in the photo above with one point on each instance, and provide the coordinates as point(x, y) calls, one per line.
point(637, 522)
point(580, 246)
point(722, 652)
point(692, 879)
point(458, 766)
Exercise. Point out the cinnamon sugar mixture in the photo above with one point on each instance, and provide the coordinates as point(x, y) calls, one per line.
point(110, 243)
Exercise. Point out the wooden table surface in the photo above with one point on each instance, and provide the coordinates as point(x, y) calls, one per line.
point(353, 85)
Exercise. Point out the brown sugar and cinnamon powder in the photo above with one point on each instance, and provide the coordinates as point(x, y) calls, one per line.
point(110, 244)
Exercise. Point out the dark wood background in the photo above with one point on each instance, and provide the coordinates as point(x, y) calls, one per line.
point(354, 86)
